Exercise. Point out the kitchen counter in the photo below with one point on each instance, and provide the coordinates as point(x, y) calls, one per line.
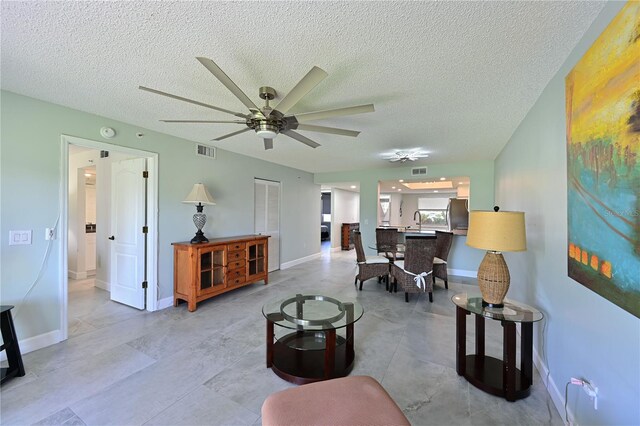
point(407, 230)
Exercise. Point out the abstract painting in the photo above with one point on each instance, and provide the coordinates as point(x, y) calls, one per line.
point(603, 163)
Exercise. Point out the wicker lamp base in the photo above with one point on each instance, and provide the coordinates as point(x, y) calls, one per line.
point(493, 279)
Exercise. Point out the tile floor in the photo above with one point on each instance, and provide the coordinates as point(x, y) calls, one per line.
point(121, 366)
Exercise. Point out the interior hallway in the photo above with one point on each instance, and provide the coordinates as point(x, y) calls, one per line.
point(128, 367)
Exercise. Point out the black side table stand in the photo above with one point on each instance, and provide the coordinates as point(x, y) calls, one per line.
point(10, 345)
point(498, 377)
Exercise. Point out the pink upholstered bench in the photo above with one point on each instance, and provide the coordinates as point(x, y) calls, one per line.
point(355, 400)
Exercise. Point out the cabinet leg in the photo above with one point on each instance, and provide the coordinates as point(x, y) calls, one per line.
point(461, 340)
point(329, 353)
point(191, 306)
point(509, 360)
point(526, 353)
point(269, 344)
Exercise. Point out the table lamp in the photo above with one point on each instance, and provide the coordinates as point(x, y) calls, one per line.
point(199, 196)
point(495, 232)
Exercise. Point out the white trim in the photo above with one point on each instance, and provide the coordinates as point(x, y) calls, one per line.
point(336, 248)
point(103, 285)
point(556, 395)
point(287, 265)
point(462, 273)
point(36, 342)
point(77, 275)
point(152, 222)
point(167, 302)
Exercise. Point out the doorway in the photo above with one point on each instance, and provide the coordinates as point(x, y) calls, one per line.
point(325, 221)
point(124, 266)
point(267, 217)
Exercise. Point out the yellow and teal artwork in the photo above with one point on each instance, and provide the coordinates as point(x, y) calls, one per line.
point(603, 163)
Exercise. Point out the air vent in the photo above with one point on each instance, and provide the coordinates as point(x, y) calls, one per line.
point(206, 151)
point(419, 171)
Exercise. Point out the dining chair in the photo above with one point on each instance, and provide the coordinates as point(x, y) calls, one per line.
point(443, 246)
point(413, 273)
point(387, 243)
point(369, 266)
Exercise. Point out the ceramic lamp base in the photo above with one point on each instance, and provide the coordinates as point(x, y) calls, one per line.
point(199, 219)
point(493, 279)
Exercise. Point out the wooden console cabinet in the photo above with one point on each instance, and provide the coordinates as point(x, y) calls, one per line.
point(347, 235)
point(204, 270)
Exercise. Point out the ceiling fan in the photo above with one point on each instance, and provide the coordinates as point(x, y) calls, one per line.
point(268, 122)
point(403, 157)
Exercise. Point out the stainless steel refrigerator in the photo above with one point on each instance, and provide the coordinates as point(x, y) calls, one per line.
point(458, 214)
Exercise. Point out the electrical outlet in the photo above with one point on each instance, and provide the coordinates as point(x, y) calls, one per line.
point(49, 234)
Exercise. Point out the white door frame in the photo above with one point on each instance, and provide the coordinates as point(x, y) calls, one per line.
point(152, 222)
point(271, 182)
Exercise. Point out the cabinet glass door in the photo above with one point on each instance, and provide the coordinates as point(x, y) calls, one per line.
point(211, 270)
point(257, 264)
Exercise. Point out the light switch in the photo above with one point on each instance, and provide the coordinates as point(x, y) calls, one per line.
point(19, 237)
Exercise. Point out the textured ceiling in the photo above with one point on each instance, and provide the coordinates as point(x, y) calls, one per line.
point(451, 78)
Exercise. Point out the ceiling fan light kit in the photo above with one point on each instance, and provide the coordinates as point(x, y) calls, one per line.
point(403, 157)
point(269, 122)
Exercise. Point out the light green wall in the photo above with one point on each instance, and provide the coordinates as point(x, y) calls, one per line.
point(586, 335)
point(462, 257)
point(30, 157)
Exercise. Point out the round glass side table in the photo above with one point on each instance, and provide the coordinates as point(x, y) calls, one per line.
point(314, 339)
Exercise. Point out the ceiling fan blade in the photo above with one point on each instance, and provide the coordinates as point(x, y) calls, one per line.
point(297, 136)
point(229, 84)
point(304, 86)
point(323, 129)
point(202, 121)
point(191, 101)
point(268, 144)
point(320, 115)
point(393, 160)
point(231, 134)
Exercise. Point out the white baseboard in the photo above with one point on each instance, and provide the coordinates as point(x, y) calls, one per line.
point(336, 248)
point(167, 302)
point(103, 285)
point(557, 396)
point(462, 273)
point(36, 342)
point(292, 263)
point(77, 275)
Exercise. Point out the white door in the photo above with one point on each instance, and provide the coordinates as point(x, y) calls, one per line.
point(128, 216)
point(267, 217)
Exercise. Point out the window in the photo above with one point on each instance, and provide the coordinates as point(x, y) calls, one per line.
point(433, 211)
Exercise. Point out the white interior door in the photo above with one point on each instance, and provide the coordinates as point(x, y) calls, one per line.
point(128, 216)
point(267, 217)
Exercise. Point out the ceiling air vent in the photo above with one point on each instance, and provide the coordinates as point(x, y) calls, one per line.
point(206, 151)
point(419, 171)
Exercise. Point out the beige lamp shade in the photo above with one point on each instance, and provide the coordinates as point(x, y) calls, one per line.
point(199, 195)
point(497, 231)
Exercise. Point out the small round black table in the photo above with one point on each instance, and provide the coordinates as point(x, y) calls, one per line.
point(494, 376)
point(305, 347)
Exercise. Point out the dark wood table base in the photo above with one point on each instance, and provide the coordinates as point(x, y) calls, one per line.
point(332, 357)
point(497, 377)
point(10, 345)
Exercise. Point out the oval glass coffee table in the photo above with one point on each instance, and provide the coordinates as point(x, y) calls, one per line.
point(314, 339)
point(497, 377)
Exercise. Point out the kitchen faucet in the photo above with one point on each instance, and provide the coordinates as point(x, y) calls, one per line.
point(419, 223)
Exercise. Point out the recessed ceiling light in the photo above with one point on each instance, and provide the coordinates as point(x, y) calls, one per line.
point(401, 180)
point(399, 189)
point(461, 183)
point(436, 190)
point(443, 178)
point(353, 187)
point(87, 174)
point(393, 187)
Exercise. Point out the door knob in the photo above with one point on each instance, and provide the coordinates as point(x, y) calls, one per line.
point(112, 238)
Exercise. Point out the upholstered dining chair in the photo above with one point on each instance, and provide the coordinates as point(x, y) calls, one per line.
point(413, 273)
point(443, 246)
point(387, 243)
point(369, 266)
